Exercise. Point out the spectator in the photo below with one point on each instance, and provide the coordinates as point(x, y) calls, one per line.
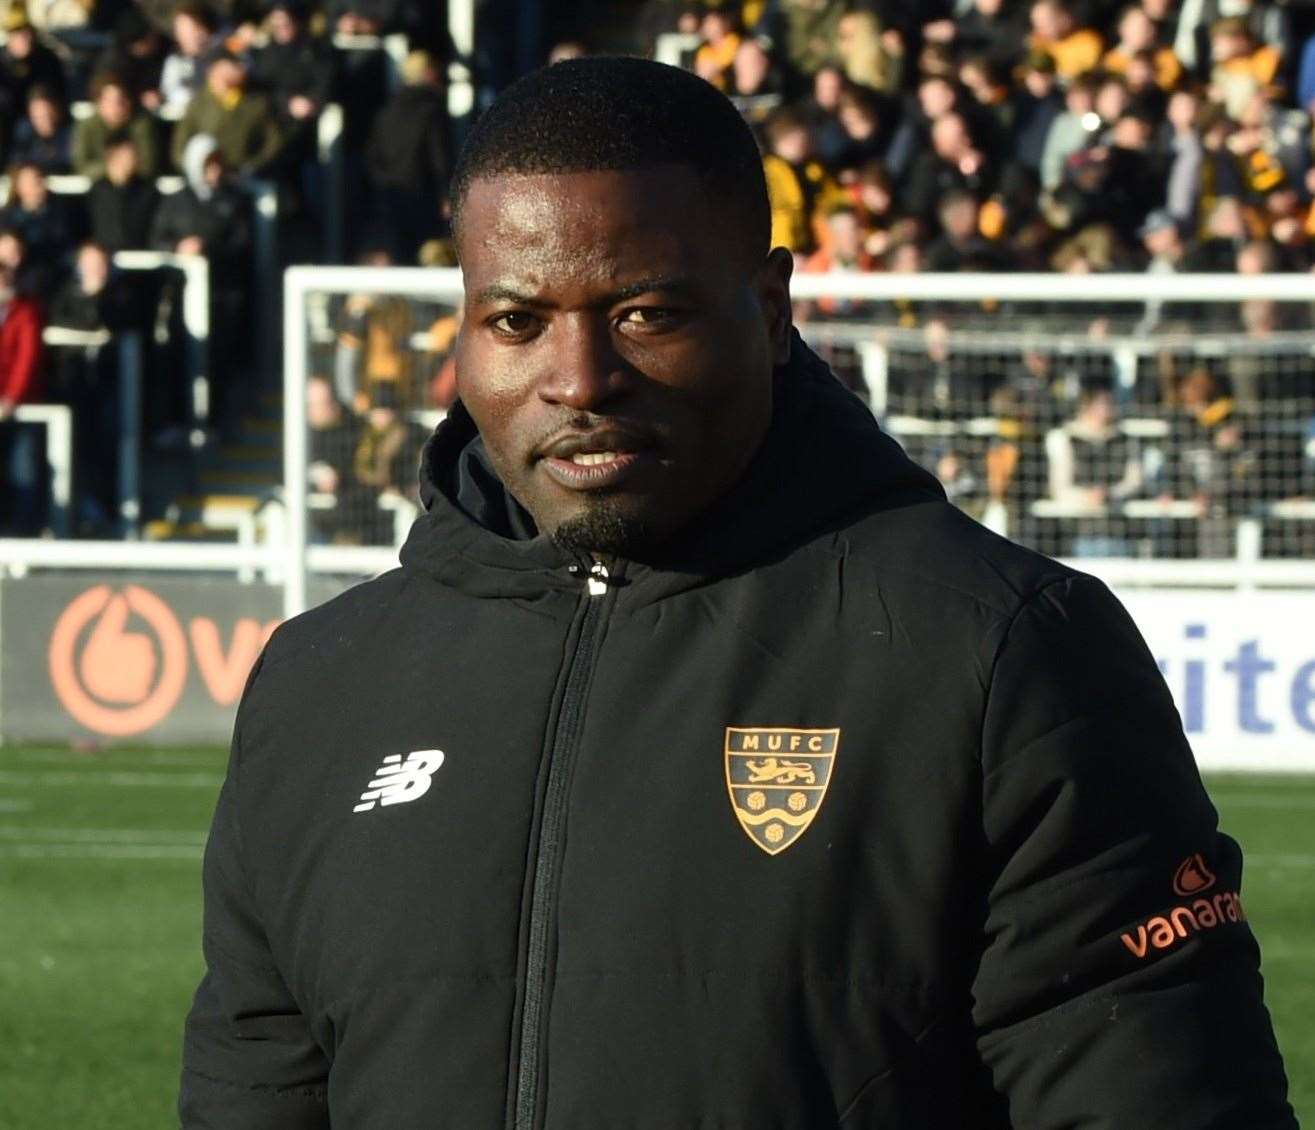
point(136, 54)
point(1210, 462)
point(1089, 461)
point(297, 71)
point(1091, 464)
point(22, 494)
point(374, 344)
point(123, 203)
point(755, 82)
point(211, 217)
point(182, 74)
point(1226, 232)
point(49, 225)
point(207, 217)
point(810, 32)
point(960, 245)
point(25, 276)
point(1036, 103)
point(797, 184)
point(115, 116)
point(385, 463)
point(334, 434)
point(721, 40)
point(42, 138)
point(1075, 50)
point(1186, 157)
point(371, 17)
point(842, 250)
point(96, 297)
point(1137, 34)
point(1240, 67)
point(954, 161)
point(407, 160)
point(242, 122)
point(864, 131)
point(1072, 131)
point(25, 62)
point(870, 57)
point(991, 29)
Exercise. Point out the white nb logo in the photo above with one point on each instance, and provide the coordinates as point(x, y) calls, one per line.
point(396, 782)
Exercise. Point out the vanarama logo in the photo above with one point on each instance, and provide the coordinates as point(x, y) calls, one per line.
point(1204, 912)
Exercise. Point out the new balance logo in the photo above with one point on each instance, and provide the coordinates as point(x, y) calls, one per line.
point(397, 781)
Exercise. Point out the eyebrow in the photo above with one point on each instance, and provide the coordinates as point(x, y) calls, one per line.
point(499, 292)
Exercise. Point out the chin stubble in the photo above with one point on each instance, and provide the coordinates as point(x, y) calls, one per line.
point(603, 528)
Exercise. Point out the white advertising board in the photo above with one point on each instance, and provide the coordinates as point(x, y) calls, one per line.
point(1241, 667)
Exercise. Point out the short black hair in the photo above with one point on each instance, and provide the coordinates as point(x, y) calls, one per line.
point(621, 114)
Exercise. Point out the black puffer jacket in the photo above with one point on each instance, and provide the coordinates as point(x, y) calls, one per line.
point(850, 814)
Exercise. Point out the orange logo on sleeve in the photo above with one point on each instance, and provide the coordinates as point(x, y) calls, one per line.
point(1193, 877)
point(1191, 881)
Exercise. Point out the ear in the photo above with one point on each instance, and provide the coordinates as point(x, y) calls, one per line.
point(774, 298)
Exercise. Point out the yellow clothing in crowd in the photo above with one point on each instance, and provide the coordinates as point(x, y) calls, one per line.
point(1075, 54)
point(799, 199)
point(1168, 70)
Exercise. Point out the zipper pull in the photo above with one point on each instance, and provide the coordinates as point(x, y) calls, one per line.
point(598, 577)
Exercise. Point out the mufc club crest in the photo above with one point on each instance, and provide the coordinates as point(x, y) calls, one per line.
point(777, 778)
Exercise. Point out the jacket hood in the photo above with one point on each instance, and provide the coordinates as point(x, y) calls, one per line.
point(195, 154)
point(824, 462)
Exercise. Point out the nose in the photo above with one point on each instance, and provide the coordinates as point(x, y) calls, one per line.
point(585, 370)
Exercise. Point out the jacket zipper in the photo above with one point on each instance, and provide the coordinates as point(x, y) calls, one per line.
point(543, 892)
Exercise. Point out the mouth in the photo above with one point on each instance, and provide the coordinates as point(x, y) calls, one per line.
point(596, 460)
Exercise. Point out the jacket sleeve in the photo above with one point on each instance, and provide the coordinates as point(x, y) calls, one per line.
point(249, 1060)
point(1119, 982)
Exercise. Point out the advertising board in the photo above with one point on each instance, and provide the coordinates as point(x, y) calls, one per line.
point(159, 661)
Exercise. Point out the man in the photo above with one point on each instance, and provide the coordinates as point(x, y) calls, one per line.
point(296, 69)
point(406, 159)
point(42, 138)
point(25, 61)
point(115, 117)
point(182, 74)
point(242, 122)
point(122, 204)
point(22, 479)
point(537, 830)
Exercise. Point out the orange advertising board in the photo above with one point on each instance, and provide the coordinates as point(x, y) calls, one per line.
point(142, 659)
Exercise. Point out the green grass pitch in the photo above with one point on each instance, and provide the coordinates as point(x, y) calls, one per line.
point(100, 913)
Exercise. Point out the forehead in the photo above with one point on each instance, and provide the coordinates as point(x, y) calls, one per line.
point(557, 229)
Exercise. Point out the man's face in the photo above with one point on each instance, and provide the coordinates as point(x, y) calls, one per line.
point(282, 27)
point(20, 43)
point(617, 348)
point(121, 163)
point(1136, 31)
point(190, 35)
point(113, 106)
point(44, 117)
point(30, 188)
point(225, 76)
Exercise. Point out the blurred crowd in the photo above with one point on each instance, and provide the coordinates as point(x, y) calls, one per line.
point(142, 125)
point(1071, 135)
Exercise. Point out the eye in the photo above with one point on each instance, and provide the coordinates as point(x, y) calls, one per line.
point(513, 323)
point(649, 317)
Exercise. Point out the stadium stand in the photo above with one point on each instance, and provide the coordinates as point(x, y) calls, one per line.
point(942, 137)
